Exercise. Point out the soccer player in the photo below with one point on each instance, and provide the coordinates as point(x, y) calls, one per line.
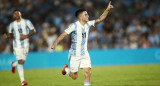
point(78, 54)
point(20, 29)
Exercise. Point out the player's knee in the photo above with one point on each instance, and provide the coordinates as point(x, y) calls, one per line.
point(74, 77)
point(20, 62)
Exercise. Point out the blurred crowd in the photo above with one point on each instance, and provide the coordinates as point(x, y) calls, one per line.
point(131, 24)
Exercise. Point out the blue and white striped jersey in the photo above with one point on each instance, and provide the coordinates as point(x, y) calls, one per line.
point(19, 28)
point(79, 38)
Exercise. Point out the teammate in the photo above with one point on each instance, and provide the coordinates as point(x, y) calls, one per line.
point(20, 29)
point(78, 53)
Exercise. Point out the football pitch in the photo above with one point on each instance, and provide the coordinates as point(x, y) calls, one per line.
point(124, 75)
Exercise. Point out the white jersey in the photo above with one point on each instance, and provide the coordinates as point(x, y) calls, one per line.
point(19, 28)
point(79, 38)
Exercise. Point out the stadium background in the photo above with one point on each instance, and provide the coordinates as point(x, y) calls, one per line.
point(129, 35)
point(131, 24)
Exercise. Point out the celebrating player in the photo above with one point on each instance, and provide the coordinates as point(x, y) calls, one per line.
point(20, 31)
point(78, 53)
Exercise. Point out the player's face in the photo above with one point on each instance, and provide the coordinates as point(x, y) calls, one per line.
point(16, 15)
point(84, 16)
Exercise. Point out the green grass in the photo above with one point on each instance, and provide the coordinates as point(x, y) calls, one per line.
point(126, 75)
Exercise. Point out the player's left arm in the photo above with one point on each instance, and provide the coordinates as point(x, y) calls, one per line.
point(31, 27)
point(28, 35)
point(105, 13)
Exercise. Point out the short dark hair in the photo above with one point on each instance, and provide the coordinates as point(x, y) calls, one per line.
point(79, 11)
point(16, 10)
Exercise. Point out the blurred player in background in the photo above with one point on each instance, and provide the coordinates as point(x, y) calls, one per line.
point(20, 30)
point(78, 53)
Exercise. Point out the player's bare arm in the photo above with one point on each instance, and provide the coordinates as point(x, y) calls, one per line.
point(28, 35)
point(104, 15)
point(58, 40)
point(9, 35)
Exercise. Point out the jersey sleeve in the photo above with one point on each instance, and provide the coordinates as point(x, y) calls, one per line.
point(10, 29)
point(70, 28)
point(30, 25)
point(91, 23)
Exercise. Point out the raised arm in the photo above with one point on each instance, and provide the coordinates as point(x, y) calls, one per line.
point(58, 40)
point(104, 15)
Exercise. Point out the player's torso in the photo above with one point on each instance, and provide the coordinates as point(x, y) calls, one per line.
point(79, 39)
point(19, 28)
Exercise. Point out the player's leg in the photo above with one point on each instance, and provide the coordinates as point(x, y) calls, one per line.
point(73, 70)
point(86, 67)
point(73, 75)
point(21, 57)
point(21, 71)
point(87, 74)
point(14, 64)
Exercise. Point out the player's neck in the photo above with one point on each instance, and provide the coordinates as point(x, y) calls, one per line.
point(18, 20)
point(82, 22)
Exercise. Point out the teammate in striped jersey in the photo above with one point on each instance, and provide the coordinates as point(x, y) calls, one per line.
point(78, 53)
point(20, 30)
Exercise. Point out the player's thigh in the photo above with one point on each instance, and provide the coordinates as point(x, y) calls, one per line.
point(74, 64)
point(85, 63)
point(21, 53)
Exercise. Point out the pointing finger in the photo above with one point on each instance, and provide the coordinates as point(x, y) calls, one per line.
point(109, 2)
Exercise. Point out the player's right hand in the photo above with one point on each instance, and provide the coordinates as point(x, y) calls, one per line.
point(4, 36)
point(110, 6)
point(24, 37)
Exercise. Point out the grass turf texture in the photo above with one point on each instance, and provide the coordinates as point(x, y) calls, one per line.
point(125, 75)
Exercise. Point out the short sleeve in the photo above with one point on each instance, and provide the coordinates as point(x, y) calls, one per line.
point(91, 23)
point(10, 28)
point(70, 28)
point(30, 25)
